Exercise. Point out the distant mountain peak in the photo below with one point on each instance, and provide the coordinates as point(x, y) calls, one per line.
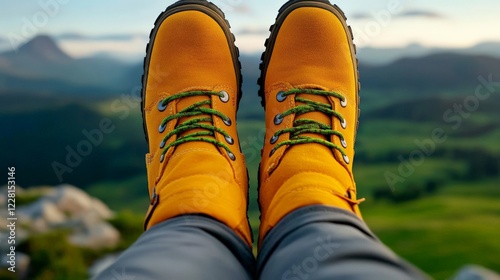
point(44, 47)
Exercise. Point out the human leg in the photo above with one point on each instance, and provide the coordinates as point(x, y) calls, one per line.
point(186, 247)
point(311, 225)
point(197, 178)
point(321, 242)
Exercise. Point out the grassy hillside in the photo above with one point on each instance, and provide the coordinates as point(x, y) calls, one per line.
point(443, 232)
point(448, 209)
point(439, 233)
point(432, 200)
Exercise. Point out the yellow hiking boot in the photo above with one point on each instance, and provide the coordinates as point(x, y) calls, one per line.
point(191, 90)
point(309, 89)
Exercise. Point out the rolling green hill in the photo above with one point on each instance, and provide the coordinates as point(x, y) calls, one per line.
point(427, 153)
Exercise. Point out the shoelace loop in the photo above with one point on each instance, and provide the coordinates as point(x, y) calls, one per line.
point(301, 126)
point(194, 110)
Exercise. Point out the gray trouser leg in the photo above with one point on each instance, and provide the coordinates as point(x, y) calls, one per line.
point(188, 247)
point(319, 242)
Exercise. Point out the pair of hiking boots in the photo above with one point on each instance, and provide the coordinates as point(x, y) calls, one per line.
point(191, 92)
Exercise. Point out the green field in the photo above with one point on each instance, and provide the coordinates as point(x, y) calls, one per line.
point(438, 231)
point(441, 233)
point(440, 215)
point(433, 199)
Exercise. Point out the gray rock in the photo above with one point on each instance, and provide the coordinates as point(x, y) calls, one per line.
point(94, 233)
point(62, 207)
point(71, 200)
point(102, 209)
point(74, 202)
point(41, 216)
point(68, 207)
point(475, 272)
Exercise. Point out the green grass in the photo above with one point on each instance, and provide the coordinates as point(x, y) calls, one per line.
point(128, 194)
point(488, 141)
point(53, 258)
point(378, 138)
point(442, 233)
point(372, 176)
point(439, 233)
point(251, 138)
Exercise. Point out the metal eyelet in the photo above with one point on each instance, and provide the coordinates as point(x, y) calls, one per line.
point(281, 96)
point(162, 128)
point(274, 139)
point(229, 140)
point(344, 124)
point(278, 119)
point(162, 158)
point(161, 106)
point(346, 159)
point(225, 96)
point(343, 142)
point(272, 152)
point(231, 156)
point(227, 122)
point(162, 144)
point(348, 195)
point(343, 103)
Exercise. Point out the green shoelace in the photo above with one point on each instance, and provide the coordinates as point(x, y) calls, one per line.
point(302, 126)
point(194, 110)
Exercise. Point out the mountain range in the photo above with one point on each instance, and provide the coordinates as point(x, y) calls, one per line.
point(40, 67)
point(383, 56)
point(47, 98)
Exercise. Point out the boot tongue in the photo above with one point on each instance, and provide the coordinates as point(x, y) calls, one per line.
point(316, 116)
point(183, 104)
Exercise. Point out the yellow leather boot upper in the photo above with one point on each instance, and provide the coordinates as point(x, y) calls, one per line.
point(310, 49)
point(192, 51)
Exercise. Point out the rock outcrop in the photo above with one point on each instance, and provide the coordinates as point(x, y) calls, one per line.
point(62, 207)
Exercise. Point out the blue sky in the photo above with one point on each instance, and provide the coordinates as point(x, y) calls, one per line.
point(379, 23)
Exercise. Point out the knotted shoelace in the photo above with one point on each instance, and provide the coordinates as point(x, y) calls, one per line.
point(200, 111)
point(302, 126)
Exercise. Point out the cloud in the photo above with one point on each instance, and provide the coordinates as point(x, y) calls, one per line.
point(421, 13)
point(243, 9)
point(86, 48)
point(250, 39)
point(234, 7)
point(361, 16)
point(107, 37)
point(250, 31)
point(406, 14)
point(84, 45)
